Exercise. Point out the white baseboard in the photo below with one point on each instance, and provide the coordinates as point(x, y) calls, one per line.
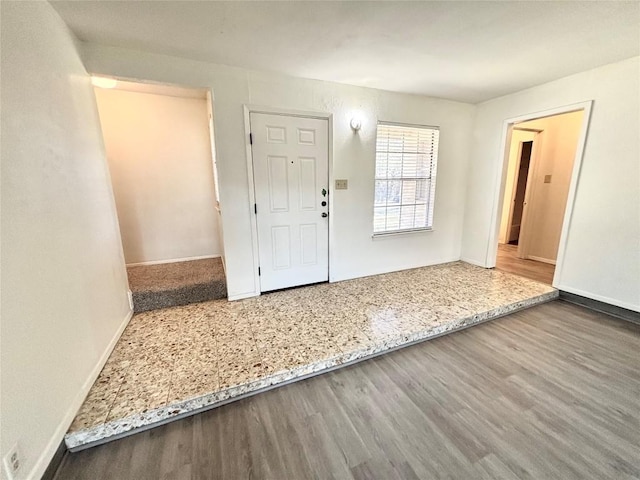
point(334, 278)
point(600, 298)
point(540, 259)
point(240, 296)
point(43, 461)
point(473, 262)
point(172, 260)
point(130, 298)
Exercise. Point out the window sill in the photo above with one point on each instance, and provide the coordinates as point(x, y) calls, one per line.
point(400, 232)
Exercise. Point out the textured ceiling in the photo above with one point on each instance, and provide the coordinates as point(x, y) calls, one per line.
point(467, 51)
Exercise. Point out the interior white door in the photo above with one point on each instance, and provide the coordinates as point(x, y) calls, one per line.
point(291, 178)
point(524, 236)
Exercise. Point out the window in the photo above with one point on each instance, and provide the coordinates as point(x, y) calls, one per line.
point(405, 182)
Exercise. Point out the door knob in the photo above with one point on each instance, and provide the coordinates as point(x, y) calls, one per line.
point(324, 204)
point(325, 214)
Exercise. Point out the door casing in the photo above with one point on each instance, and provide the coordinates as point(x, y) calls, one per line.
point(247, 110)
point(508, 124)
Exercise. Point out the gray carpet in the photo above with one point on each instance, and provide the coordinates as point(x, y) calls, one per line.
point(174, 284)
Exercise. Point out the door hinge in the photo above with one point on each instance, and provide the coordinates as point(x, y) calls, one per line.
point(255, 208)
point(259, 271)
point(251, 138)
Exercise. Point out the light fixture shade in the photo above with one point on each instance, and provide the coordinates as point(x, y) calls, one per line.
point(104, 82)
point(356, 124)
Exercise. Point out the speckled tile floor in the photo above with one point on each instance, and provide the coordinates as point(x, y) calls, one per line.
point(176, 361)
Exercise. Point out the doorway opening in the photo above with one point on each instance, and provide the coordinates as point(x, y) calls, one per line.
point(541, 173)
point(161, 155)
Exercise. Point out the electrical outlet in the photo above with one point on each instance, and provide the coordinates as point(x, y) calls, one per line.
point(342, 184)
point(12, 462)
point(547, 179)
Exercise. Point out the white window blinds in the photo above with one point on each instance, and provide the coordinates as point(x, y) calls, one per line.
point(405, 181)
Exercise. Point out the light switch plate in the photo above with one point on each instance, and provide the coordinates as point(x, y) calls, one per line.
point(342, 184)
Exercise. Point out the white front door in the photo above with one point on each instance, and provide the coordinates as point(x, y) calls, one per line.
point(291, 178)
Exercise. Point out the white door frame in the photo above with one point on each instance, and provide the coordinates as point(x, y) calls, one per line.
point(248, 110)
point(496, 215)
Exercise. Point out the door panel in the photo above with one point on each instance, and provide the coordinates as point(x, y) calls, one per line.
point(276, 134)
point(309, 244)
point(281, 247)
point(306, 136)
point(308, 184)
point(291, 170)
point(278, 183)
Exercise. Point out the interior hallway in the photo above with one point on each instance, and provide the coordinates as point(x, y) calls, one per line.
point(176, 361)
point(508, 261)
point(548, 392)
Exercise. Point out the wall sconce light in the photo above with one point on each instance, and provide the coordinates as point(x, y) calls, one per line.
point(104, 82)
point(356, 123)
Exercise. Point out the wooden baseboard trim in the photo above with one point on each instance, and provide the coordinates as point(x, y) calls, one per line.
point(55, 462)
point(473, 262)
point(598, 306)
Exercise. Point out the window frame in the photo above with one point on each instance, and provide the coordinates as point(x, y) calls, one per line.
point(430, 204)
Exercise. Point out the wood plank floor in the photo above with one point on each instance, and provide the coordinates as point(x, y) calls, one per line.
point(549, 392)
point(508, 261)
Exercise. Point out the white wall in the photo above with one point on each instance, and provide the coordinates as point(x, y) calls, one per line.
point(159, 155)
point(517, 137)
point(353, 251)
point(602, 258)
point(554, 155)
point(64, 286)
